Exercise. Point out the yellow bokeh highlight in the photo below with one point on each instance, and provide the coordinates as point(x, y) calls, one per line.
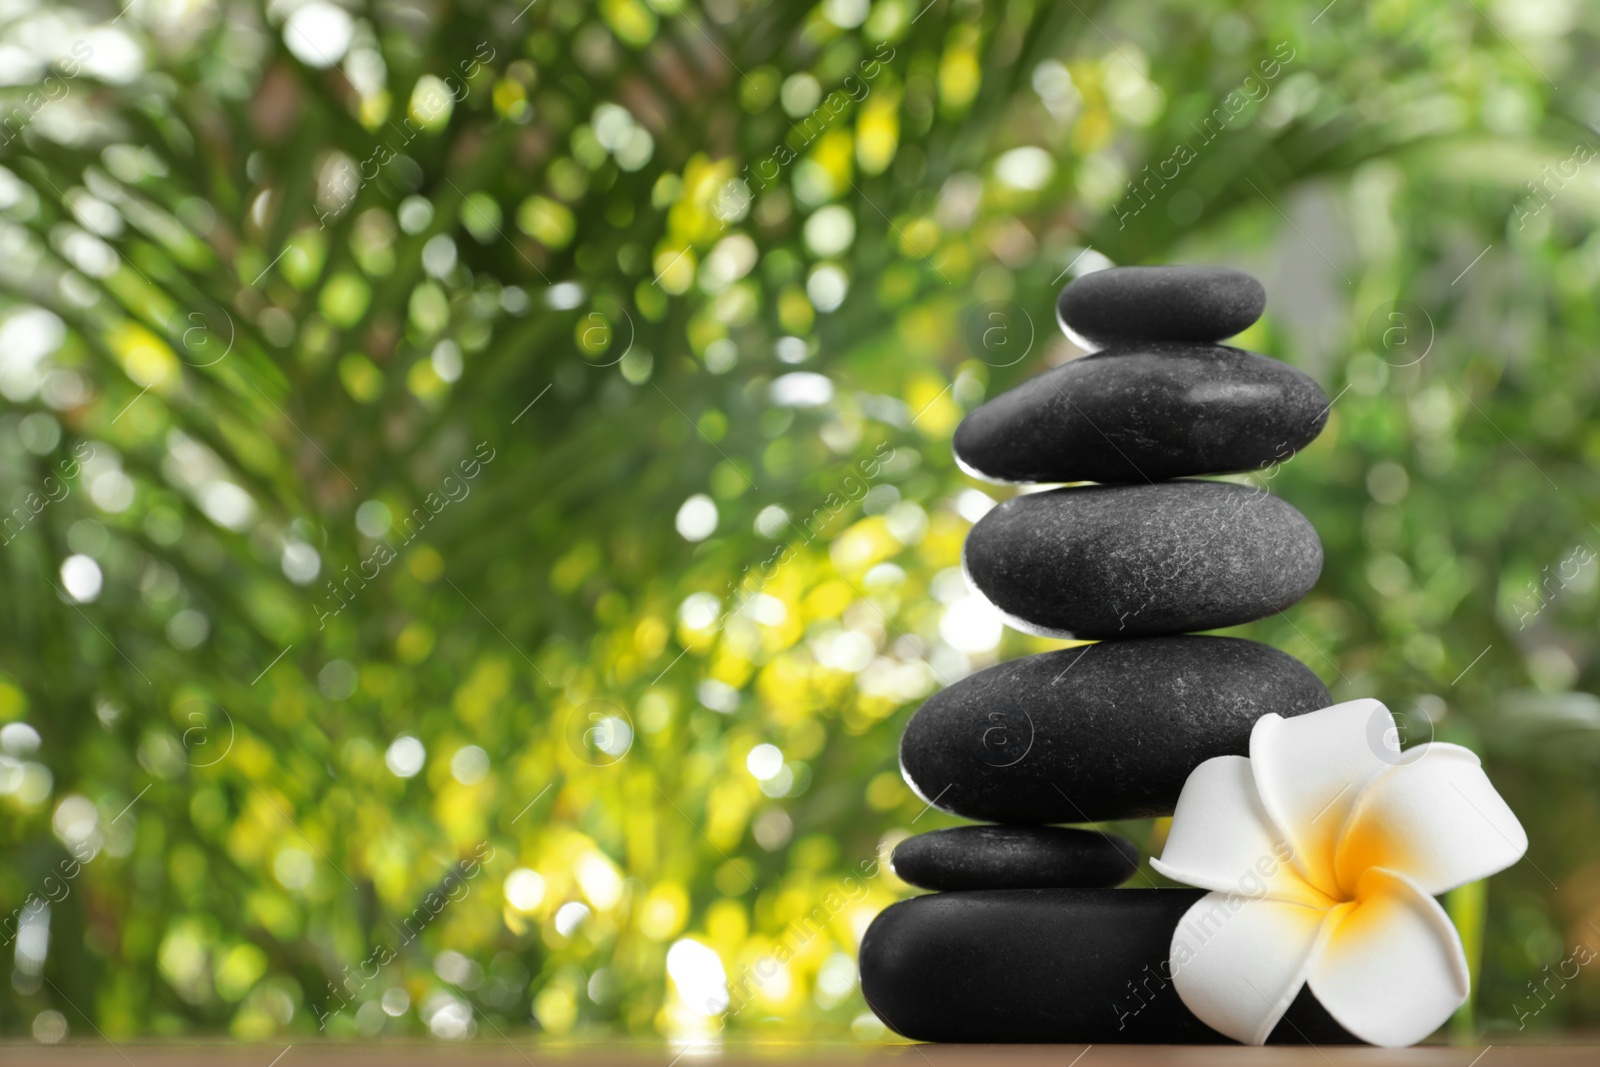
point(829, 599)
point(431, 103)
point(414, 642)
point(674, 267)
point(546, 221)
point(13, 702)
point(145, 358)
point(835, 154)
point(728, 812)
point(941, 546)
point(425, 564)
point(878, 131)
point(650, 637)
point(556, 1008)
point(374, 109)
point(864, 545)
point(886, 791)
point(510, 99)
point(795, 312)
point(692, 220)
point(665, 911)
point(360, 377)
point(631, 20)
point(959, 73)
point(918, 238)
point(483, 691)
point(938, 412)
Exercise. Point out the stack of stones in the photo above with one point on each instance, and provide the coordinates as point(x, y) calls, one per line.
point(1026, 938)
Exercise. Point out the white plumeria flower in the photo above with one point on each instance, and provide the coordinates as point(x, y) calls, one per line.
point(1323, 852)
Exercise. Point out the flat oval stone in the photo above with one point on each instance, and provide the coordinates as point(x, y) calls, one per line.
point(1175, 303)
point(1045, 966)
point(1103, 731)
point(1143, 414)
point(1102, 561)
point(1014, 857)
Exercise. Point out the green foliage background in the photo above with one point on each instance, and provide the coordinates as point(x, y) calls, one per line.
point(257, 349)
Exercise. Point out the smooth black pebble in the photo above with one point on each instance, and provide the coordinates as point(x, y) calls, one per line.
point(1102, 731)
point(1046, 965)
point(1157, 411)
point(1175, 303)
point(1105, 561)
point(1014, 857)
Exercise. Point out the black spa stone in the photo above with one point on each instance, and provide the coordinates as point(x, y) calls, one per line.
point(1046, 965)
point(1178, 303)
point(1014, 857)
point(1103, 731)
point(1143, 414)
point(1105, 561)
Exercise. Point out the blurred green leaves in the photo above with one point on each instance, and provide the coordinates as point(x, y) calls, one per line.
point(286, 269)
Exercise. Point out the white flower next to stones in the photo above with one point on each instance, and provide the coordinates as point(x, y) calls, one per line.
point(1323, 852)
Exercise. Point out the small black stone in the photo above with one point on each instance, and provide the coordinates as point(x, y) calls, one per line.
point(1104, 561)
point(1177, 303)
point(1143, 414)
point(1103, 731)
point(1045, 966)
point(1014, 857)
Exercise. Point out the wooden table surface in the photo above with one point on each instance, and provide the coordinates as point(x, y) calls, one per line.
point(1579, 1051)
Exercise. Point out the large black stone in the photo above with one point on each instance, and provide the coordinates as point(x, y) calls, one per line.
point(1014, 857)
point(1103, 561)
point(1045, 965)
point(1176, 303)
point(1103, 731)
point(1143, 414)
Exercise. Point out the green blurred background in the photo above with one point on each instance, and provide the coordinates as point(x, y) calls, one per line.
point(480, 499)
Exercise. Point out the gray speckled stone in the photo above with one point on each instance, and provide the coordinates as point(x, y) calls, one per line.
point(1175, 303)
point(1046, 965)
point(1104, 561)
point(1102, 731)
point(1143, 414)
point(1014, 857)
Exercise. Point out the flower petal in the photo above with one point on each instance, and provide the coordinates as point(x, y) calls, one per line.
point(1221, 838)
point(1434, 818)
point(1238, 963)
point(1393, 970)
point(1309, 771)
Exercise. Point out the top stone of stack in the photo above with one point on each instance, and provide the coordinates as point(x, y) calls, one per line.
point(1123, 305)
